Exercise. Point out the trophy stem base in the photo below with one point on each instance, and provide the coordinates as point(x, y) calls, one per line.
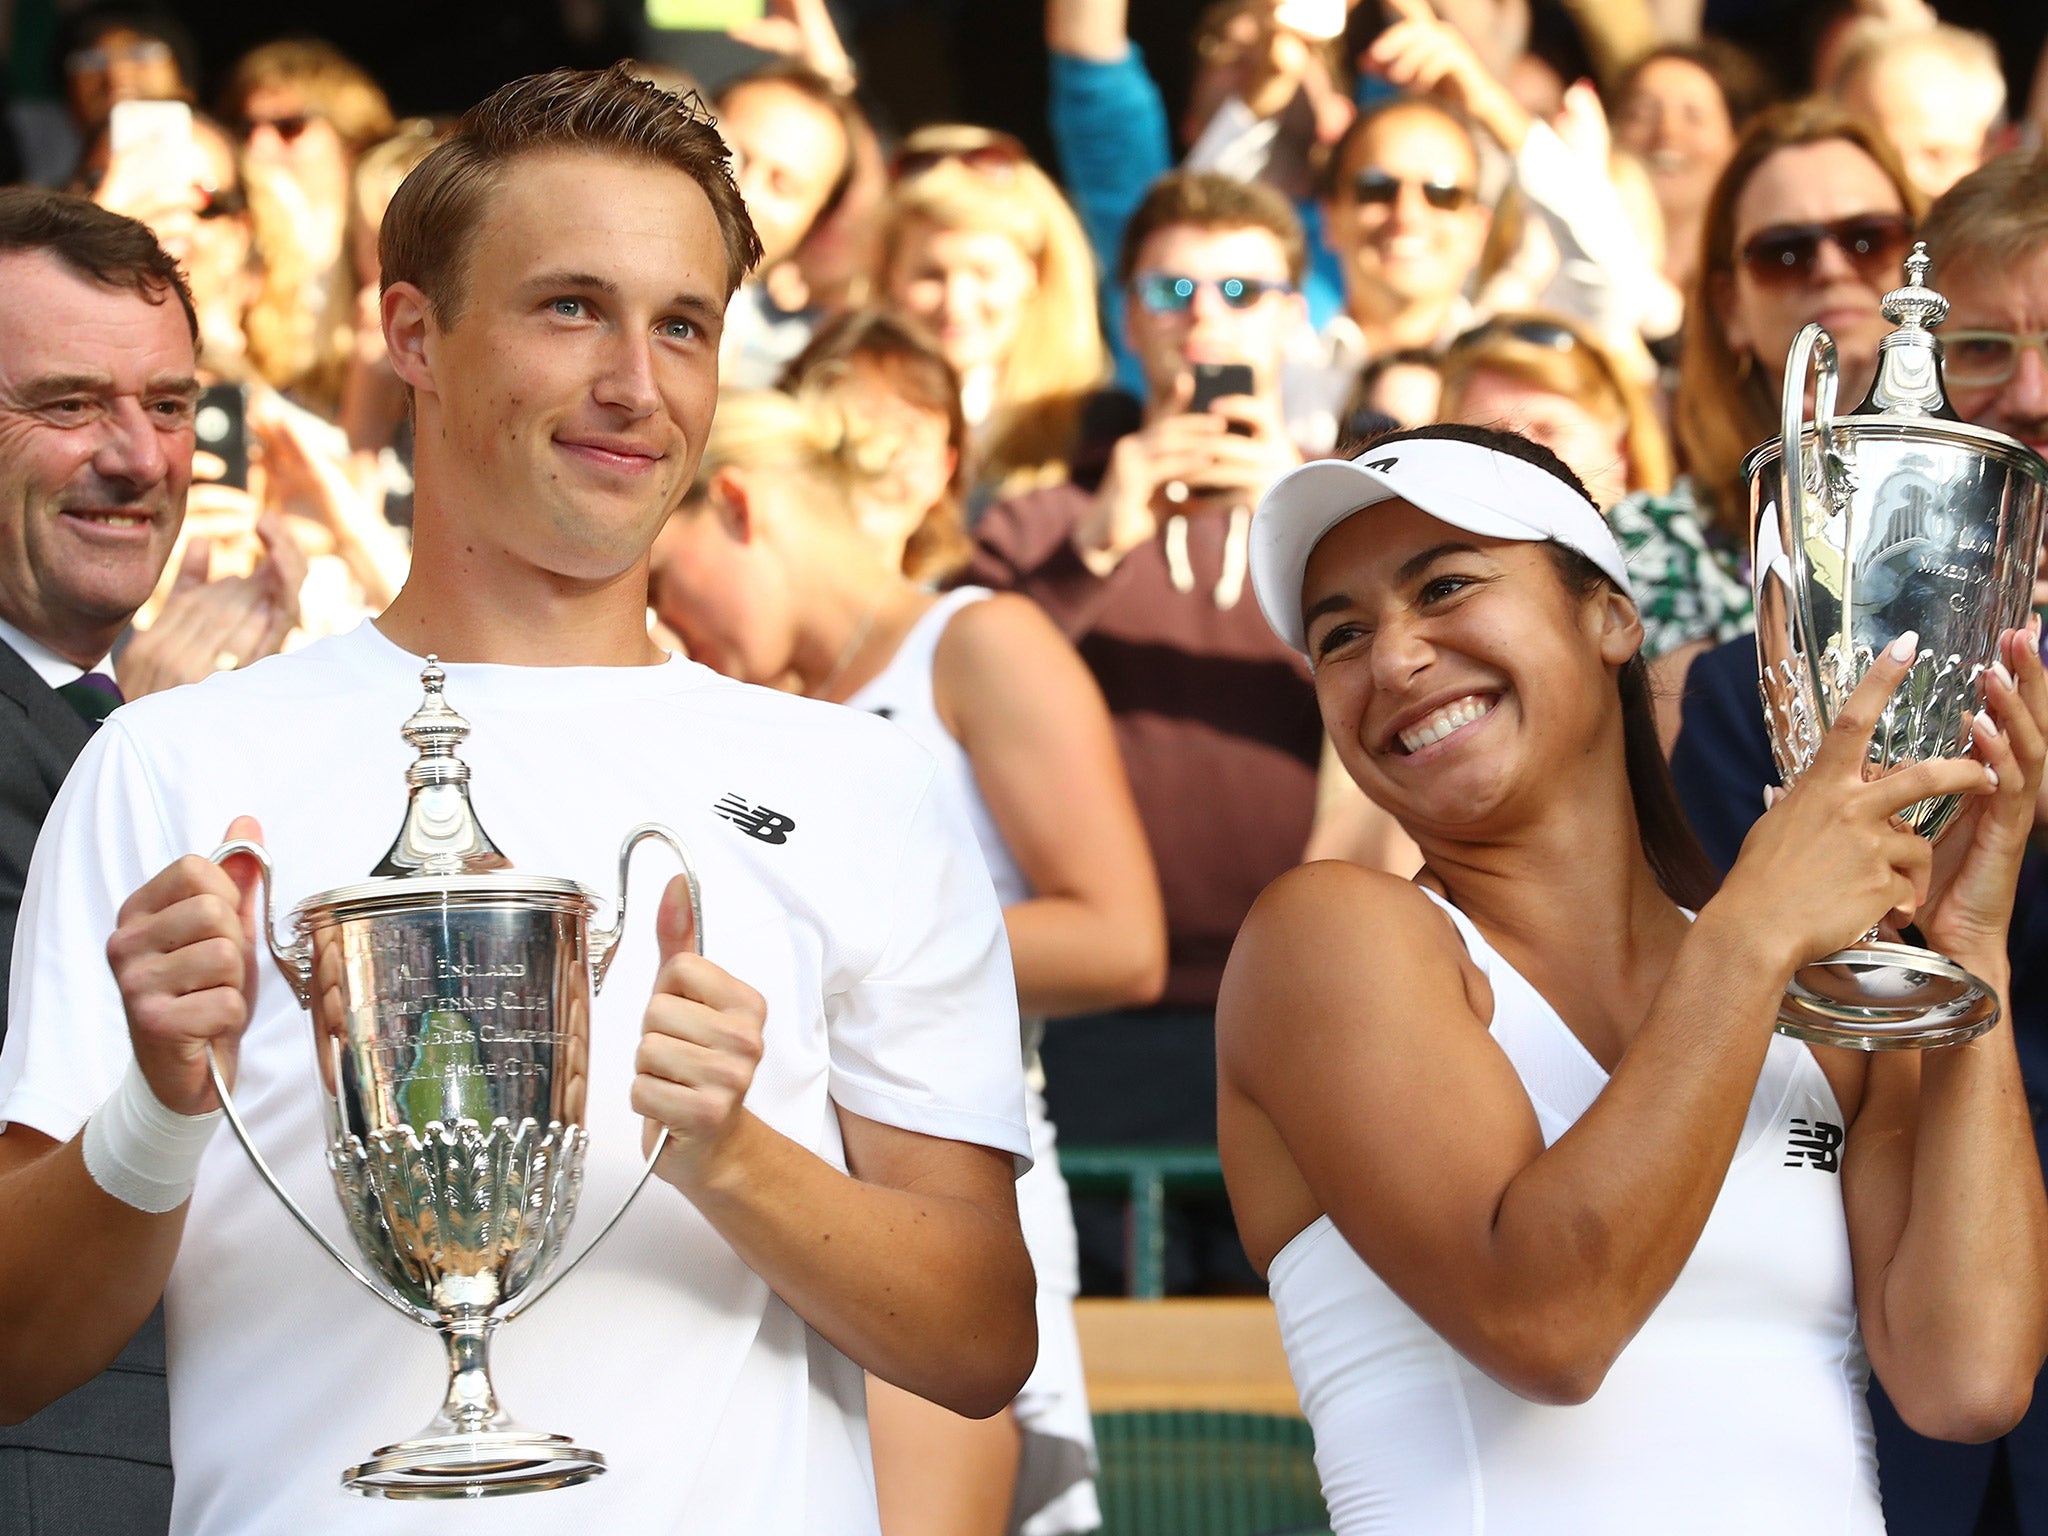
point(473, 1466)
point(1884, 996)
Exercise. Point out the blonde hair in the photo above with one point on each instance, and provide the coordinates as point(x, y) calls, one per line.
point(807, 435)
point(1583, 371)
point(301, 324)
point(325, 78)
point(1059, 357)
point(387, 163)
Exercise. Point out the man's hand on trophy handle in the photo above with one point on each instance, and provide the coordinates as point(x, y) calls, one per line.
point(699, 1045)
point(184, 956)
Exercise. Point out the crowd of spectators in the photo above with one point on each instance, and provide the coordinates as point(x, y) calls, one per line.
point(1075, 380)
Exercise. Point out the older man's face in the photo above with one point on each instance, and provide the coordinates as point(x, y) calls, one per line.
point(1986, 294)
point(96, 403)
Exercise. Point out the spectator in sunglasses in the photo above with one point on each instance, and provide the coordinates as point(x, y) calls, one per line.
point(1141, 556)
point(306, 113)
point(1936, 92)
point(1811, 220)
point(124, 52)
point(1988, 237)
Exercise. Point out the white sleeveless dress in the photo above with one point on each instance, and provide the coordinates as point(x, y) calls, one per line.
point(1738, 1410)
point(1055, 1482)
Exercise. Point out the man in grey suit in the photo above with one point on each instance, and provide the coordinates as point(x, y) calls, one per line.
point(96, 440)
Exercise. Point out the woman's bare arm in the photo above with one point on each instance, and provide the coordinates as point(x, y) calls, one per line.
point(1035, 729)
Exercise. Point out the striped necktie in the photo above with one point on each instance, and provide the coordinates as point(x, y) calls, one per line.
point(93, 696)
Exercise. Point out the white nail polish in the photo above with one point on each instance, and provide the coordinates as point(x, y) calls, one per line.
point(1992, 775)
point(1907, 646)
point(1999, 671)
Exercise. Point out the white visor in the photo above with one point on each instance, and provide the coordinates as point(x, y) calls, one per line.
point(1492, 494)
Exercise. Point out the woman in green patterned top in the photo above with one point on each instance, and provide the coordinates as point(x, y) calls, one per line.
point(1810, 221)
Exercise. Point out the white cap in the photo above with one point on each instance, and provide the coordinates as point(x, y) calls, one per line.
point(1480, 490)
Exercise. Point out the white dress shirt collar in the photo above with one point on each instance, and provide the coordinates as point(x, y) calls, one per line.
point(47, 664)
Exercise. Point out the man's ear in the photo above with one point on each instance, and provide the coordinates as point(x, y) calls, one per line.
point(409, 329)
point(732, 501)
point(1620, 626)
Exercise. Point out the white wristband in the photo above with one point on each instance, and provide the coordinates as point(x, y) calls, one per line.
point(141, 1153)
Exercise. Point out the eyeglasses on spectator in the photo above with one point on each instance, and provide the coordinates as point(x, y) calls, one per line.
point(1873, 243)
point(1978, 358)
point(1379, 188)
point(1171, 293)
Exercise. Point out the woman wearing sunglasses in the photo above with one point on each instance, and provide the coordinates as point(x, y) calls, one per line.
point(1564, 1240)
point(1811, 221)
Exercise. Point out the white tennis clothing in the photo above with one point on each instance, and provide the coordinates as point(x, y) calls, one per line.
point(1055, 1486)
point(1739, 1407)
point(840, 880)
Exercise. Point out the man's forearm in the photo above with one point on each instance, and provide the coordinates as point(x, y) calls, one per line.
point(79, 1271)
point(932, 1292)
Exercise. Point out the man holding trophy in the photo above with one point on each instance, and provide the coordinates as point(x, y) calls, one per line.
point(827, 1085)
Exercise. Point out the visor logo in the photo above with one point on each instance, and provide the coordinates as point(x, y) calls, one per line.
point(1382, 464)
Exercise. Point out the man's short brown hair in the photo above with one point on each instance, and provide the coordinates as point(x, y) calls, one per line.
point(1997, 214)
point(433, 217)
point(1208, 200)
point(114, 251)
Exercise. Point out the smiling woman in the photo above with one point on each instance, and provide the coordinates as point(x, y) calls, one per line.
point(1531, 1177)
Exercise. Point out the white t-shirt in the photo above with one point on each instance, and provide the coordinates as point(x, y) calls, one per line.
point(849, 891)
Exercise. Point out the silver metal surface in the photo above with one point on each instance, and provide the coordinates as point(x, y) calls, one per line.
point(451, 1020)
point(1899, 518)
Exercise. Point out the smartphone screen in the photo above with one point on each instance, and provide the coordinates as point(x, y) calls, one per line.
point(221, 426)
point(702, 15)
point(1319, 19)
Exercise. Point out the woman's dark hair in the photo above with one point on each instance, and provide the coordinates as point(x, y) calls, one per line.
point(1673, 850)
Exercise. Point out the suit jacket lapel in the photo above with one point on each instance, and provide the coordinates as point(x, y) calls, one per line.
point(47, 713)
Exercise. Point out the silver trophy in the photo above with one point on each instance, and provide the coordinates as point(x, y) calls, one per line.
point(451, 1026)
point(1901, 517)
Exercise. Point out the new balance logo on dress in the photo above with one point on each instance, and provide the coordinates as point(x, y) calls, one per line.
point(757, 821)
point(1814, 1143)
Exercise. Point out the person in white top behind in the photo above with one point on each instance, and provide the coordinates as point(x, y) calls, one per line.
point(785, 564)
point(1562, 1236)
point(838, 1070)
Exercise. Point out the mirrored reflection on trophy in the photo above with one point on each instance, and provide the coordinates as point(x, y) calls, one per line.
point(1899, 517)
point(450, 999)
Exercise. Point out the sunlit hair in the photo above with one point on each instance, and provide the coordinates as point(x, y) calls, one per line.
point(807, 436)
point(1584, 372)
point(330, 84)
point(1210, 201)
point(1059, 357)
point(434, 216)
point(1875, 43)
point(1997, 216)
point(300, 326)
point(915, 368)
point(384, 166)
point(108, 248)
point(1724, 405)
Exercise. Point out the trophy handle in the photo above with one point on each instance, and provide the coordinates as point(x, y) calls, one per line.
point(604, 944)
point(1813, 351)
point(296, 963)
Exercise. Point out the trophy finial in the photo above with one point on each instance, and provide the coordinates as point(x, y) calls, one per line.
point(441, 835)
point(1916, 306)
point(1908, 379)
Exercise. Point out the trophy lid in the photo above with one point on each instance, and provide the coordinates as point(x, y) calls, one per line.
point(441, 834)
point(1908, 379)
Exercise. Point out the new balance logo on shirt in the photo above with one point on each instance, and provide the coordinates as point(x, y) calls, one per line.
point(757, 821)
point(1814, 1144)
